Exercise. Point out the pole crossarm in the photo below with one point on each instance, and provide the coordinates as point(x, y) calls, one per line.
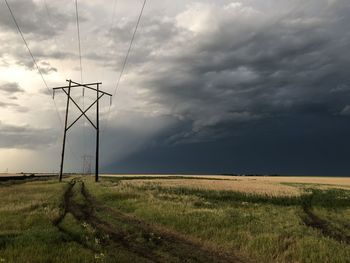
point(85, 86)
point(99, 95)
point(78, 85)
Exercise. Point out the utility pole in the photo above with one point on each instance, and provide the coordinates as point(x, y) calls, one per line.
point(65, 130)
point(99, 95)
point(97, 133)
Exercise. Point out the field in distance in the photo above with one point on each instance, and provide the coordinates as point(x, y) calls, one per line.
point(175, 218)
point(272, 185)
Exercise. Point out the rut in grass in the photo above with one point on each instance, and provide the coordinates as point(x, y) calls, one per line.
point(151, 243)
point(333, 198)
point(310, 219)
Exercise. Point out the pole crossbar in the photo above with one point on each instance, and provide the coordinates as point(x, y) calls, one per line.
point(78, 85)
point(85, 86)
point(99, 95)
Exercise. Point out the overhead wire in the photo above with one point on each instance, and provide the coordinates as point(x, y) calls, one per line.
point(292, 10)
point(34, 60)
point(130, 46)
point(81, 72)
point(49, 17)
point(26, 44)
point(125, 61)
point(50, 22)
point(109, 34)
point(79, 44)
point(79, 47)
point(110, 30)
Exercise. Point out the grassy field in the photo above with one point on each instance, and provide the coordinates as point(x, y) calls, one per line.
point(175, 219)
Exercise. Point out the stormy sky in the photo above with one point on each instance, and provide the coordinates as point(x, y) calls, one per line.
point(249, 87)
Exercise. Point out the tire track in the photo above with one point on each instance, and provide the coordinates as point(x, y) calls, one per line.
point(156, 244)
point(67, 207)
point(312, 220)
point(159, 241)
point(117, 236)
point(66, 203)
point(85, 213)
point(175, 244)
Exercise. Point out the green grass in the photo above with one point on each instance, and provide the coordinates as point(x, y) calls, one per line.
point(26, 231)
point(262, 227)
point(144, 223)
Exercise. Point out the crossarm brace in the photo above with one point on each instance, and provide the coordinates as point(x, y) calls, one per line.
point(83, 112)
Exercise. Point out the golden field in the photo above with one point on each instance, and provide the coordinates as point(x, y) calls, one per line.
point(270, 185)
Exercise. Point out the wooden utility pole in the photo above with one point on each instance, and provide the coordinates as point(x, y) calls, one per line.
point(99, 95)
point(65, 131)
point(97, 133)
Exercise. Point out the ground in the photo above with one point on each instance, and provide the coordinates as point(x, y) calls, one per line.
point(178, 218)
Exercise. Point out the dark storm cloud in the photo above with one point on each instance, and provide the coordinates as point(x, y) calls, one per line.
point(24, 137)
point(308, 145)
point(253, 88)
point(220, 85)
point(346, 110)
point(155, 30)
point(221, 74)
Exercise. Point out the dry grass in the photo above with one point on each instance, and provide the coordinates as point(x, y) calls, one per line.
point(340, 181)
point(270, 185)
point(244, 186)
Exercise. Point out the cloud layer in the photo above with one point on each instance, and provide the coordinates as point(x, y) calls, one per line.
point(202, 76)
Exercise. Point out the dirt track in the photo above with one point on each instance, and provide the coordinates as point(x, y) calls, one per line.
point(156, 244)
point(312, 220)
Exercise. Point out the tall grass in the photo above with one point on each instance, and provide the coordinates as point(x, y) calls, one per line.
point(333, 198)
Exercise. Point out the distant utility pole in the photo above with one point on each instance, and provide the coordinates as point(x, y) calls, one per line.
point(99, 95)
point(87, 159)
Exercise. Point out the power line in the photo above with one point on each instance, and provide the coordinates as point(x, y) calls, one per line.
point(79, 45)
point(126, 59)
point(25, 42)
point(81, 69)
point(35, 63)
point(110, 30)
point(51, 23)
point(49, 16)
point(130, 46)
